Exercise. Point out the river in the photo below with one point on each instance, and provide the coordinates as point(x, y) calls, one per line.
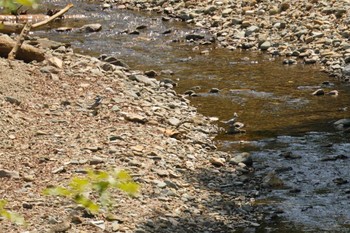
point(274, 101)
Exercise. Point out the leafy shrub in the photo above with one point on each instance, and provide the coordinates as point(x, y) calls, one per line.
point(13, 217)
point(95, 183)
point(10, 5)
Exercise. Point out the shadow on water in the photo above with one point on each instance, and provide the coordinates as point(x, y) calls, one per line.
point(273, 101)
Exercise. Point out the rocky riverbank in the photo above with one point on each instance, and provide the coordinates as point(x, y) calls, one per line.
point(310, 32)
point(54, 126)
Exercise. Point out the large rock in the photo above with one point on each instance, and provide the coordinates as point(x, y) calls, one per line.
point(96, 27)
point(244, 157)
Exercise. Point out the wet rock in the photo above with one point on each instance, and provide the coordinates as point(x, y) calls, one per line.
point(333, 93)
point(318, 92)
point(96, 27)
point(151, 73)
point(289, 155)
point(340, 181)
point(214, 90)
point(194, 37)
point(334, 157)
point(271, 180)
point(342, 124)
point(244, 158)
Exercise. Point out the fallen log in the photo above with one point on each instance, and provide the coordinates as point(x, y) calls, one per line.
point(26, 52)
point(34, 18)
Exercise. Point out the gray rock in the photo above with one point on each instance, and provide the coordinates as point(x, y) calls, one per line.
point(134, 117)
point(194, 37)
point(12, 100)
point(250, 30)
point(346, 70)
point(8, 174)
point(143, 79)
point(244, 157)
point(174, 121)
point(265, 45)
point(91, 27)
point(342, 124)
point(271, 180)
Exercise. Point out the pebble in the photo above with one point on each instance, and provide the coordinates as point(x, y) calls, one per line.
point(219, 162)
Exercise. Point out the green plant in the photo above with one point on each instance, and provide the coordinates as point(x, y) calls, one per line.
point(10, 5)
point(13, 217)
point(95, 184)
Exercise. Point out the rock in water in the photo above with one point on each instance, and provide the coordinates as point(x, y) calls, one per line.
point(272, 180)
point(244, 157)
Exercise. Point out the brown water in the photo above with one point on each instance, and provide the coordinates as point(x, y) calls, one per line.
point(273, 101)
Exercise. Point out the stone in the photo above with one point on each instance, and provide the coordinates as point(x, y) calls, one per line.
point(144, 79)
point(333, 93)
point(151, 73)
point(346, 70)
point(134, 117)
point(318, 92)
point(218, 162)
point(289, 155)
point(271, 180)
point(96, 27)
point(12, 100)
point(174, 121)
point(61, 227)
point(194, 37)
point(264, 46)
point(8, 174)
point(244, 157)
point(214, 90)
point(56, 62)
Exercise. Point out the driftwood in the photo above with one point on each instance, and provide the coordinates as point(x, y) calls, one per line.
point(26, 52)
point(12, 55)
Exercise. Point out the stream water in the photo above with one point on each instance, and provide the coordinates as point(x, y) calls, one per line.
point(272, 100)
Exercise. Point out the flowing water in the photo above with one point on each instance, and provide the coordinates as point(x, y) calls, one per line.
point(272, 100)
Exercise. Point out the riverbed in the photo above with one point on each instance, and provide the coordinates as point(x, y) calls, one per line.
point(272, 100)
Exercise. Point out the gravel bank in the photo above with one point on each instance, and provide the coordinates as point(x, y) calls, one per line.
point(51, 130)
point(311, 32)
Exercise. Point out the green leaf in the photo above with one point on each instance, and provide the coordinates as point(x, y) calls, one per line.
point(30, 3)
point(13, 217)
point(79, 185)
point(123, 176)
point(130, 188)
point(87, 203)
point(57, 191)
point(101, 187)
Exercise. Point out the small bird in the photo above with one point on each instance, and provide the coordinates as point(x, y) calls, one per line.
point(232, 121)
point(98, 101)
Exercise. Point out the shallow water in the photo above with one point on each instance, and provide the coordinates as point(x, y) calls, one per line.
point(272, 100)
